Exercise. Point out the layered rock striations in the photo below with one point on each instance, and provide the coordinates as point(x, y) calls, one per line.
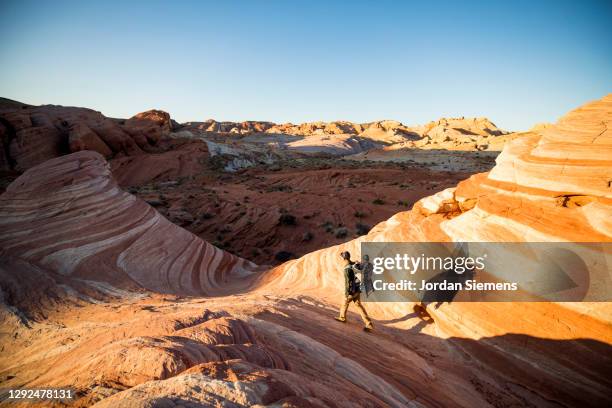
point(538, 191)
point(69, 216)
point(68, 232)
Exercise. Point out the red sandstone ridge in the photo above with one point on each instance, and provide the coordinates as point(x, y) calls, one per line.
point(32, 134)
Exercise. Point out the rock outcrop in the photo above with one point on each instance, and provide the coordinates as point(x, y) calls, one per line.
point(32, 134)
point(70, 236)
point(383, 131)
point(69, 216)
point(549, 186)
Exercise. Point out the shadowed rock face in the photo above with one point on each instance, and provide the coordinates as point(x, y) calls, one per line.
point(269, 342)
point(32, 134)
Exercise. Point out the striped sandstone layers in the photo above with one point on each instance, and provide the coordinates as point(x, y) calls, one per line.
point(68, 216)
point(549, 186)
point(278, 345)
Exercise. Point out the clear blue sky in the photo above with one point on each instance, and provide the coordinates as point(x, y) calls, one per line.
point(516, 62)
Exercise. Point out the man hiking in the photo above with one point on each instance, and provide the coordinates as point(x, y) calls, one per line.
point(352, 292)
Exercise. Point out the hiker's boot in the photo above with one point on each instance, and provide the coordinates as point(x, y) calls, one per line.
point(340, 319)
point(368, 328)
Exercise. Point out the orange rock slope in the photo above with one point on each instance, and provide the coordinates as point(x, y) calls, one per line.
point(93, 256)
point(538, 191)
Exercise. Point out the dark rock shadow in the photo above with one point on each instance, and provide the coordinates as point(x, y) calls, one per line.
point(506, 370)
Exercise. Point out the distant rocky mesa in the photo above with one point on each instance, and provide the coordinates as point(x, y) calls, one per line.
point(31, 135)
point(377, 130)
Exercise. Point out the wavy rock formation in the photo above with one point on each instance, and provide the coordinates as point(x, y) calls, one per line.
point(69, 216)
point(539, 191)
point(549, 186)
point(272, 342)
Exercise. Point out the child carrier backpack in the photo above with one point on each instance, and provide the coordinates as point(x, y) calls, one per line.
point(354, 283)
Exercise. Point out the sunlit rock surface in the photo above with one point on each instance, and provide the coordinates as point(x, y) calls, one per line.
point(247, 338)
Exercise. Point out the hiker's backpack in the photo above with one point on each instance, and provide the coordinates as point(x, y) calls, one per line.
point(354, 283)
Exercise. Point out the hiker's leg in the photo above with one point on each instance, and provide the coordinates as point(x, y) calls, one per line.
point(344, 307)
point(362, 311)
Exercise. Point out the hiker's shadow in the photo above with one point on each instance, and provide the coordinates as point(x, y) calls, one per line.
point(424, 320)
point(400, 319)
point(440, 297)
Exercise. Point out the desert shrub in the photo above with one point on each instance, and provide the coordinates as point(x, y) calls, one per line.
point(283, 256)
point(280, 187)
point(328, 226)
point(206, 216)
point(378, 201)
point(359, 214)
point(308, 236)
point(287, 219)
point(362, 229)
point(341, 232)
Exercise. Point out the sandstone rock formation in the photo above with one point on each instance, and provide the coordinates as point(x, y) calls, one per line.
point(385, 131)
point(86, 227)
point(32, 134)
point(549, 186)
point(94, 249)
point(457, 144)
point(174, 159)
